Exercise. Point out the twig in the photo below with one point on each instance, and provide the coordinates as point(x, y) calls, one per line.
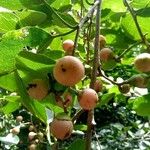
point(113, 82)
point(58, 16)
point(93, 77)
point(77, 115)
point(89, 2)
point(81, 24)
point(88, 40)
point(126, 50)
point(76, 41)
point(134, 16)
point(63, 34)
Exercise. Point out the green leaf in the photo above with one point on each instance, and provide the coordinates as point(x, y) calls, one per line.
point(80, 127)
point(57, 4)
point(34, 62)
point(11, 4)
point(36, 36)
point(8, 82)
point(13, 98)
point(8, 21)
point(78, 144)
point(115, 5)
point(140, 4)
point(142, 105)
point(10, 107)
point(31, 17)
point(53, 54)
point(66, 17)
point(32, 105)
point(9, 50)
point(105, 99)
point(129, 27)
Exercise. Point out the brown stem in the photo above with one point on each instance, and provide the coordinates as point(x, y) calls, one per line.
point(77, 115)
point(113, 82)
point(88, 41)
point(126, 50)
point(93, 77)
point(134, 16)
point(76, 40)
point(82, 22)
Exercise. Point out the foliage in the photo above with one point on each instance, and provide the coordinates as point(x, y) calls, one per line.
point(31, 37)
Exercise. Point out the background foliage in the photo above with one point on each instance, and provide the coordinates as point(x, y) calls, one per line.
point(31, 36)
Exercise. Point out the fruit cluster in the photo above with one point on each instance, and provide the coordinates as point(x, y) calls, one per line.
point(69, 71)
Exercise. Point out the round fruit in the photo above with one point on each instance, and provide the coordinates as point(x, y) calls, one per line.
point(68, 71)
point(88, 99)
point(38, 89)
point(15, 130)
point(125, 88)
point(61, 127)
point(98, 86)
point(31, 128)
point(102, 41)
point(32, 147)
point(19, 118)
point(142, 62)
point(65, 101)
point(106, 54)
point(107, 59)
point(31, 135)
point(40, 135)
point(139, 80)
point(68, 46)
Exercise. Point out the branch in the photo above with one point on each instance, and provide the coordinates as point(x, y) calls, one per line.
point(63, 34)
point(93, 78)
point(126, 50)
point(134, 16)
point(77, 115)
point(112, 81)
point(82, 22)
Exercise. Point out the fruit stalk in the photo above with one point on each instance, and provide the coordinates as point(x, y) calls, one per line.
point(93, 78)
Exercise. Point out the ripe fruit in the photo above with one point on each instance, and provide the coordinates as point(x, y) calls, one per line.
point(98, 86)
point(88, 99)
point(38, 89)
point(15, 130)
point(31, 135)
point(65, 101)
point(142, 62)
point(102, 41)
point(139, 80)
point(107, 58)
point(19, 118)
point(68, 70)
point(125, 88)
point(106, 54)
point(68, 46)
point(61, 127)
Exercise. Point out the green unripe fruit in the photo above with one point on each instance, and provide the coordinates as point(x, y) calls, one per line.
point(139, 80)
point(125, 88)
